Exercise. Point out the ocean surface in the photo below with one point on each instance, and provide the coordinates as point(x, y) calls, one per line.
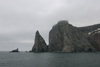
point(49, 59)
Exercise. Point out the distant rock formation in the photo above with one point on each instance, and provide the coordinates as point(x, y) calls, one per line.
point(64, 37)
point(16, 50)
point(39, 44)
point(94, 38)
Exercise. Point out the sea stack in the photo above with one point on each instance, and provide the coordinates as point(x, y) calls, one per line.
point(39, 44)
point(64, 37)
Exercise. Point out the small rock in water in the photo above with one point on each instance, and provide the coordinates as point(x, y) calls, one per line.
point(16, 50)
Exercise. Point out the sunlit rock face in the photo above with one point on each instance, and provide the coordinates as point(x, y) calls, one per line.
point(40, 44)
point(94, 38)
point(64, 37)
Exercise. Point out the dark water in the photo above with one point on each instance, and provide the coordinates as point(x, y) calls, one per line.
point(49, 59)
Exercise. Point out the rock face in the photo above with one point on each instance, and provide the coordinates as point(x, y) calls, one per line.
point(94, 38)
point(64, 37)
point(88, 29)
point(40, 44)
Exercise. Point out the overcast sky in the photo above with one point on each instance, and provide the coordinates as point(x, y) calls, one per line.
point(19, 19)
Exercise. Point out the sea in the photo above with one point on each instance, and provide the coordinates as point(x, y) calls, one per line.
point(25, 59)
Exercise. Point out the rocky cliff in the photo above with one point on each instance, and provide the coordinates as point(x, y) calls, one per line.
point(94, 38)
point(64, 37)
point(39, 44)
point(90, 28)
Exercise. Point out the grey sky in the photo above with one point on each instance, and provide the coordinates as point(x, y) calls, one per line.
point(19, 19)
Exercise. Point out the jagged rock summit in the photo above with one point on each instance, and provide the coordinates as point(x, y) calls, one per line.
point(39, 44)
point(64, 37)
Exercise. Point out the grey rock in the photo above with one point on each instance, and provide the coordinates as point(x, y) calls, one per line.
point(16, 50)
point(40, 44)
point(64, 37)
point(94, 38)
point(90, 28)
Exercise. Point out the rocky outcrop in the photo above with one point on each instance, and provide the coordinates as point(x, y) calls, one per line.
point(94, 38)
point(16, 50)
point(64, 37)
point(88, 29)
point(40, 44)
